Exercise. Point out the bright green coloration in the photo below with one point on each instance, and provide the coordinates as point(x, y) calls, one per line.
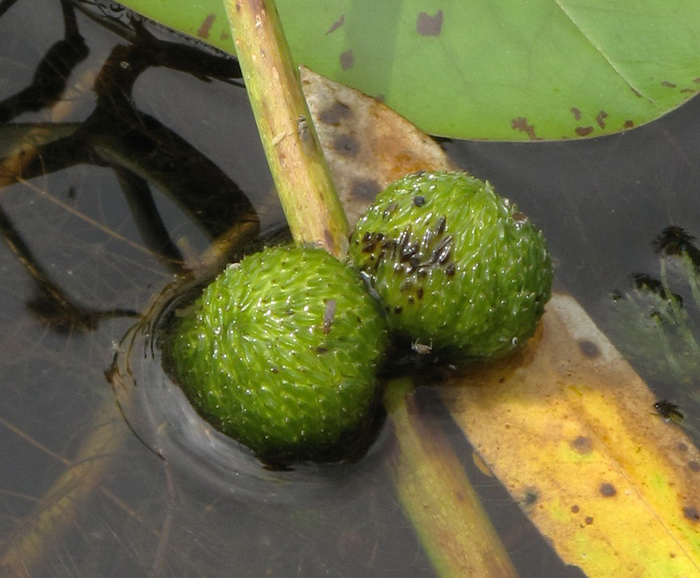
point(456, 266)
point(280, 353)
point(488, 69)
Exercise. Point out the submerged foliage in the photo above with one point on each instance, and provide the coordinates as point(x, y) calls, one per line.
point(656, 323)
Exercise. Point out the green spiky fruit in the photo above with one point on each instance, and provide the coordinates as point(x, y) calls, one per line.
point(456, 266)
point(280, 353)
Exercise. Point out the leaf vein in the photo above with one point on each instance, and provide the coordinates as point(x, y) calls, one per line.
point(570, 15)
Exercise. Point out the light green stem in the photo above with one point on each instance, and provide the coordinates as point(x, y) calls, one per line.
point(299, 169)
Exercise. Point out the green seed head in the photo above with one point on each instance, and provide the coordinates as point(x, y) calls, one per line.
point(280, 353)
point(456, 266)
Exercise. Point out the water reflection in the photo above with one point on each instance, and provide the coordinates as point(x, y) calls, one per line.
point(134, 180)
point(51, 74)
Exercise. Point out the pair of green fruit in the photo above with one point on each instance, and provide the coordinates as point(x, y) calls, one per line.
point(281, 351)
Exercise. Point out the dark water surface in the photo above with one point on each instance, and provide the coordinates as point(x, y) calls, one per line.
point(87, 248)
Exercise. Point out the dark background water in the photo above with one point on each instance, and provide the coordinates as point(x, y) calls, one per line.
point(600, 203)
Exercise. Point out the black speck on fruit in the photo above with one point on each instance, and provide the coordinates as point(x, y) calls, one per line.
point(462, 268)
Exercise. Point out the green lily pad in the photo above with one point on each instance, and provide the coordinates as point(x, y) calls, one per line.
point(488, 69)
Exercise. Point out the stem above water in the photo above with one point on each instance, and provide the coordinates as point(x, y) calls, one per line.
point(299, 169)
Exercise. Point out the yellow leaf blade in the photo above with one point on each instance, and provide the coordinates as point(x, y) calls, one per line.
point(569, 429)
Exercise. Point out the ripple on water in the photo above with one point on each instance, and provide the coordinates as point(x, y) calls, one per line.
point(160, 415)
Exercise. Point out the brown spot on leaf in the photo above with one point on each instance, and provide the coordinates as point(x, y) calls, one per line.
point(589, 520)
point(696, 80)
point(583, 130)
point(522, 125)
point(600, 118)
point(582, 445)
point(365, 189)
point(428, 25)
point(628, 124)
point(347, 59)
point(205, 27)
point(531, 496)
point(668, 84)
point(335, 114)
point(575, 509)
point(346, 145)
point(337, 24)
point(691, 513)
point(693, 466)
point(607, 490)
point(588, 348)
point(576, 112)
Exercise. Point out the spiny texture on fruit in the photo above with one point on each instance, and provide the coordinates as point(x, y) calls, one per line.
point(455, 265)
point(280, 353)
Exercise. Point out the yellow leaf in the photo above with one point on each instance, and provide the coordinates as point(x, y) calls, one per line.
point(569, 428)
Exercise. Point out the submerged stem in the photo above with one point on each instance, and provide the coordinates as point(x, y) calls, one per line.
point(62, 503)
point(438, 497)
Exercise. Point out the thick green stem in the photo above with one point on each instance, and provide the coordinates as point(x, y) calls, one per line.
point(299, 169)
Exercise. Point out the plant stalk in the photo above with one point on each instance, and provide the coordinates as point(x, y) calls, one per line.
point(299, 169)
point(437, 496)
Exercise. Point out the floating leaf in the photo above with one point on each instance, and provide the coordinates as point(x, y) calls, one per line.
point(570, 429)
point(503, 70)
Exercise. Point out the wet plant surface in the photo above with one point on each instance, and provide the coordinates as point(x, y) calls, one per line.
point(127, 140)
